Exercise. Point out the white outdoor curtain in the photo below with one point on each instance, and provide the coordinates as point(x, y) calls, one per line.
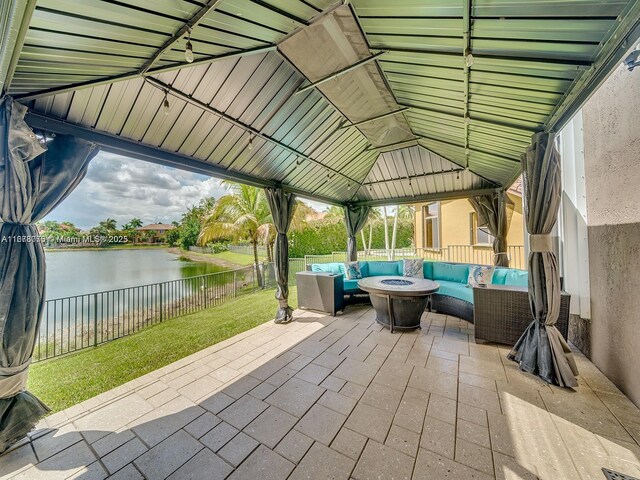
point(282, 206)
point(355, 218)
point(494, 216)
point(33, 180)
point(541, 350)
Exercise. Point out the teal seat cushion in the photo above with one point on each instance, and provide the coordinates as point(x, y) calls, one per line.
point(364, 269)
point(499, 276)
point(336, 268)
point(351, 286)
point(451, 272)
point(427, 269)
point(455, 289)
point(384, 268)
point(517, 278)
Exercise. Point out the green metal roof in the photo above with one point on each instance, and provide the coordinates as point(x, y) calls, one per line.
point(99, 69)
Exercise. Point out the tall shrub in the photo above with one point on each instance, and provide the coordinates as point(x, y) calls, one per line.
point(321, 237)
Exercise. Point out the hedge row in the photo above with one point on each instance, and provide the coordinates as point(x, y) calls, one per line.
point(322, 238)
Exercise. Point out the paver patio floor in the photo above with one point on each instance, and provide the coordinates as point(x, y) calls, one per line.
point(327, 397)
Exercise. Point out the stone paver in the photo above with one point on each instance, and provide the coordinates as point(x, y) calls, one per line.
point(295, 396)
point(370, 422)
point(321, 424)
point(341, 397)
point(403, 440)
point(294, 446)
point(169, 455)
point(313, 373)
point(238, 449)
point(379, 461)
point(333, 383)
point(337, 402)
point(430, 465)
point(242, 412)
point(323, 462)
point(263, 464)
point(349, 443)
point(202, 425)
point(123, 455)
point(205, 465)
point(271, 426)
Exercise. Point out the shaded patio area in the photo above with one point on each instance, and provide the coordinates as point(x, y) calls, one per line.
point(337, 397)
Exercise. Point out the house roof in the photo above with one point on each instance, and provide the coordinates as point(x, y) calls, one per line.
point(373, 102)
point(157, 226)
point(516, 187)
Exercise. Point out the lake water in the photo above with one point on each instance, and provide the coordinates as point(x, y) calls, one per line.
point(86, 271)
point(90, 302)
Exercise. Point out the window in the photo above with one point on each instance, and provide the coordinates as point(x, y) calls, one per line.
point(478, 236)
point(431, 231)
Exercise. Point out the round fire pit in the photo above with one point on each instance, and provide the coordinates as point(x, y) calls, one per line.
point(398, 301)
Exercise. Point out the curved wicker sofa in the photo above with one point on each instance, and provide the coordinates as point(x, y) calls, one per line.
point(453, 298)
point(500, 312)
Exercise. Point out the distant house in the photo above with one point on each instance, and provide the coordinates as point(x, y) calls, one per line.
point(313, 216)
point(452, 226)
point(155, 232)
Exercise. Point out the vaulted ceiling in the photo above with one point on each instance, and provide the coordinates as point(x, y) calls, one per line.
point(372, 101)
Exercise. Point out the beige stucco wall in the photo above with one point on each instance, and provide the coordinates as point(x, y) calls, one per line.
point(612, 178)
point(455, 223)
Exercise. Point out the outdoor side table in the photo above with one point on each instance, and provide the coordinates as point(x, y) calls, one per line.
point(398, 301)
point(320, 291)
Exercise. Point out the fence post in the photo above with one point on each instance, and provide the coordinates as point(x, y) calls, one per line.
point(234, 284)
point(161, 301)
point(95, 319)
point(203, 288)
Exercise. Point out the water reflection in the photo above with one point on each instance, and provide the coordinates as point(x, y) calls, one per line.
point(86, 271)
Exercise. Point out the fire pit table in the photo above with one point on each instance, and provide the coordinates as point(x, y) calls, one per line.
point(398, 301)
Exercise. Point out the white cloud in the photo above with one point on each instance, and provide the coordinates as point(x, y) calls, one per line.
point(124, 188)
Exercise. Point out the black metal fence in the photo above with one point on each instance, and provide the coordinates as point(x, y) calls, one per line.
point(73, 323)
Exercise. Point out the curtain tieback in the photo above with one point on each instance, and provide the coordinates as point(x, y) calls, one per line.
point(13, 379)
point(541, 243)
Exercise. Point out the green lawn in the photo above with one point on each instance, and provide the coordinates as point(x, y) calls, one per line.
point(237, 258)
point(68, 380)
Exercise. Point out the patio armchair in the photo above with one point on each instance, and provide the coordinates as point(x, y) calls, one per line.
point(502, 313)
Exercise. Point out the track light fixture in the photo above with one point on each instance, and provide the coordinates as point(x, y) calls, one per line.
point(468, 58)
point(165, 103)
point(188, 51)
point(250, 143)
point(633, 60)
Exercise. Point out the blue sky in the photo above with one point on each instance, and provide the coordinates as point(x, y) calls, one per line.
point(123, 188)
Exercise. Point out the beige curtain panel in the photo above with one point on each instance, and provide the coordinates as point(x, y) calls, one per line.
point(494, 217)
point(542, 350)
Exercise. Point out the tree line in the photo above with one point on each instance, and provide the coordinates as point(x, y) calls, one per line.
point(243, 216)
point(106, 232)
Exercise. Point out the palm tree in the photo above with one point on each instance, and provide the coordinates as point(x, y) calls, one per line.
point(109, 224)
point(374, 217)
point(334, 213)
point(135, 223)
point(405, 213)
point(298, 222)
point(385, 218)
point(241, 214)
